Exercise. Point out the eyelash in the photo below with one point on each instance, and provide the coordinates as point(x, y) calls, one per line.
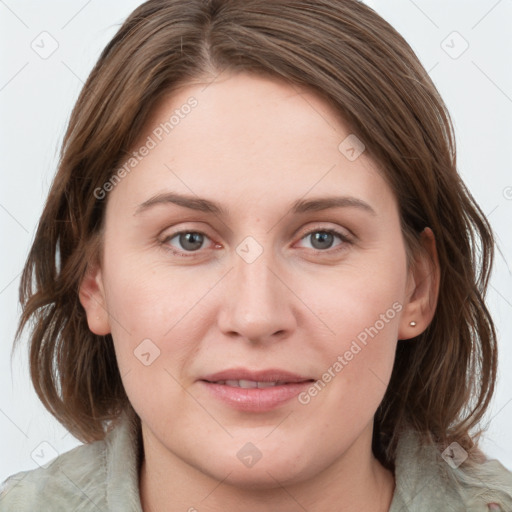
point(343, 237)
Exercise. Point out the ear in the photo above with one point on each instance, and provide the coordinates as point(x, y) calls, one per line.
point(422, 289)
point(92, 298)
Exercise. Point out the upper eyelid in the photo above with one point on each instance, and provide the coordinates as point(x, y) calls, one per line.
point(296, 232)
point(337, 231)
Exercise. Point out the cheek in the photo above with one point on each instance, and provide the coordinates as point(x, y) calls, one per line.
point(357, 299)
point(145, 295)
point(360, 309)
point(363, 345)
point(148, 306)
point(153, 338)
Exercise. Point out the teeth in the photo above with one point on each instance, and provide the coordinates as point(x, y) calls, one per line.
point(249, 384)
point(242, 383)
point(267, 384)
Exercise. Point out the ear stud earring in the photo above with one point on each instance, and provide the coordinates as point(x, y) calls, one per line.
point(412, 324)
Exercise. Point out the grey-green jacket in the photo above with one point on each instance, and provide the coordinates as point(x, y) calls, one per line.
point(103, 477)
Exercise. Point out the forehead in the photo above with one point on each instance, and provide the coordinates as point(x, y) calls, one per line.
point(249, 138)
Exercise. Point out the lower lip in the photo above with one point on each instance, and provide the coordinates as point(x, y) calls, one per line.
point(256, 399)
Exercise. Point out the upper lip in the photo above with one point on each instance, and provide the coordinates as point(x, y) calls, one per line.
point(270, 375)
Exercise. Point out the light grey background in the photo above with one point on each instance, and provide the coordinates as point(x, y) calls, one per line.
point(36, 98)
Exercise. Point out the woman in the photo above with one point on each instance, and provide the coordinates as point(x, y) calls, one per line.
point(255, 280)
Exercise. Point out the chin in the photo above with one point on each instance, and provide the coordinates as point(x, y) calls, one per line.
point(272, 473)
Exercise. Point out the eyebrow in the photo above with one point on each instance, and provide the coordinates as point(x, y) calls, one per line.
point(299, 206)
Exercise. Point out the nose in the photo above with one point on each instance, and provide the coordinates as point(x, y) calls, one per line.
point(258, 306)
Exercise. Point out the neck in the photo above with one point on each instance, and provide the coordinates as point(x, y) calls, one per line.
point(357, 481)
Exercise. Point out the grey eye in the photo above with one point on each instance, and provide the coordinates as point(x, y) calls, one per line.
point(189, 240)
point(321, 239)
point(324, 240)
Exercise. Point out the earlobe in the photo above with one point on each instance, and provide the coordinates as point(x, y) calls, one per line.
point(92, 298)
point(423, 289)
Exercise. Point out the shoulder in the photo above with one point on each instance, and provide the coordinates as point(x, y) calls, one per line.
point(102, 475)
point(64, 484)
point(484, 484)
point(428, 478)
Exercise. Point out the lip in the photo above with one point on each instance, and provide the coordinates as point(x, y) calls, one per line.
point(269, 375)
point(255, 399)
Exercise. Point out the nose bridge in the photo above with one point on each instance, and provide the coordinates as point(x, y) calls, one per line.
point(256, 282)
point(259, 303)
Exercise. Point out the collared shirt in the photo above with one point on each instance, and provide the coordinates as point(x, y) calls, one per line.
point(104, 477)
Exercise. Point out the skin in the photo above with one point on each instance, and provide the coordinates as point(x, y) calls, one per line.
point(256, 145)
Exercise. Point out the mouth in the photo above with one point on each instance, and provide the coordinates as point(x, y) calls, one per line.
point(252, 384)
point(255, 391)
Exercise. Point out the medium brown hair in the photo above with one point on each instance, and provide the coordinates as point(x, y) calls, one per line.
point(354, 60)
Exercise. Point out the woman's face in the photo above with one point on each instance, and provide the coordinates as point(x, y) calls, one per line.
point(249, 252)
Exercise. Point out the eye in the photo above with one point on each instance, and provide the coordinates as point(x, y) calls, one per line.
point(188, 241)
point(185, 243)
point(323, 239)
